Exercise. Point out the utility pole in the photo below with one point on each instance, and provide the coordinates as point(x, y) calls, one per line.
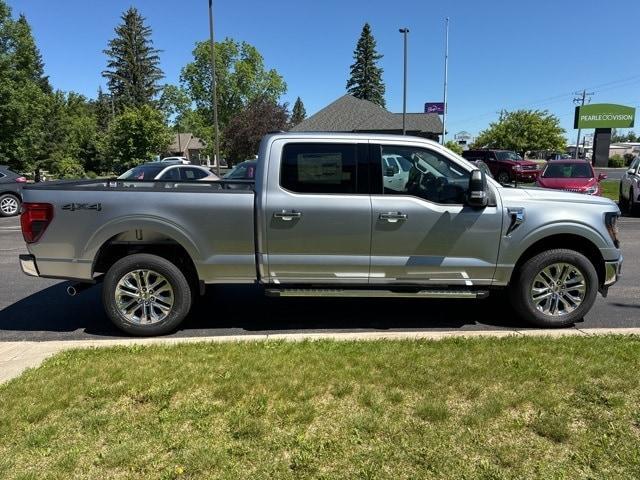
point(216, 146)
point(446, 71)
point(580, 100)
point(404, 31)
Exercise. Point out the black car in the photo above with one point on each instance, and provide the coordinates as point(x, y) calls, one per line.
point(10, 192)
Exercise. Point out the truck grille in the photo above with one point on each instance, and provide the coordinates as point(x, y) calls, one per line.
point(529, 167)
point(575, 190)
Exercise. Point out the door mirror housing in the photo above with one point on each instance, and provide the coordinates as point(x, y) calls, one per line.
point(391, 171)
point(631, 171)
point(477, 194)
point(602, 176)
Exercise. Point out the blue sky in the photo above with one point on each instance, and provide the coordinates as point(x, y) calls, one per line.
point(503, 54)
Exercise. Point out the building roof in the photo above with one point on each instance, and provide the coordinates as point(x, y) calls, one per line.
point(351, 114)
point(187, 141)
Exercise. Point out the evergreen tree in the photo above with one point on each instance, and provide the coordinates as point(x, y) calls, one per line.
point(103, 109)
point(299, 113)
point(28, 61)
point(366, 76)
point(133, 68)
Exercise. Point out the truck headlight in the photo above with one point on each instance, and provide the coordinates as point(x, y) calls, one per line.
point(611, 221)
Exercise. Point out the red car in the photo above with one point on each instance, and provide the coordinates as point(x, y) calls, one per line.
point(505, 165)
point(572, 176)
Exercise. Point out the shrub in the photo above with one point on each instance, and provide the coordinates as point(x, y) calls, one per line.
point(628, 158)
point(616, 161)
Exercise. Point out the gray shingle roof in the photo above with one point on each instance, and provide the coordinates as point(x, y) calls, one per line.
point(349, 114)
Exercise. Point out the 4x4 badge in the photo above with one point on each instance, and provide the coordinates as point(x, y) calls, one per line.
point(82, 206)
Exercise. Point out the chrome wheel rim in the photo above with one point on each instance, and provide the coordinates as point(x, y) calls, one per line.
point(144, 297)
point(9, 206)
point(558, 289)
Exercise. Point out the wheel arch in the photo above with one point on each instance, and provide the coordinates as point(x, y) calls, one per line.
point(567, 241)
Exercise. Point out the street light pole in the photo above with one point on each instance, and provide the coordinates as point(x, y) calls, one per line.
point(404, 31)
point(216, 145)
point(446, 72)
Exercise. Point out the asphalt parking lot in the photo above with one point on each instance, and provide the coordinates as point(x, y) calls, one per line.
point(39, 309)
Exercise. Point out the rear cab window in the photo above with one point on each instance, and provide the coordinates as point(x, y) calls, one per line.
point(319, 168)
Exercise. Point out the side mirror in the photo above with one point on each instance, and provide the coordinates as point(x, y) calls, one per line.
point(602, 176)
point(477, 194)
point(390, 171)
point(631, 171)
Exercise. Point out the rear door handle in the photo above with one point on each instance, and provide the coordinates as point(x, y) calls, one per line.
point(287, 216)
point(393, 217)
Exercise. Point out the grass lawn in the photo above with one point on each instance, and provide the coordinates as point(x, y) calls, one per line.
point(611, 189)
point(459, 408)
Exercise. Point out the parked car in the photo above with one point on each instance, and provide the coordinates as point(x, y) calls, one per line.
point(630, 188)
point(395, 172)
point(170, 172)
point(242, 171)
point(180, 160)
point(319, 222)
point(10, 192)
point(505, 165)
point(572, 176)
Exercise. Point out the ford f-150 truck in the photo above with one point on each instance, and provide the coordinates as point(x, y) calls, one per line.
point(320, 220)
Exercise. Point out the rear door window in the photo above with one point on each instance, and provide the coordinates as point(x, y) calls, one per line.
point(319, 168)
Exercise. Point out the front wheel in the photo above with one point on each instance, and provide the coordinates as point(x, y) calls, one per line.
point(554, 288)
point(146, 295)
point(504, 177)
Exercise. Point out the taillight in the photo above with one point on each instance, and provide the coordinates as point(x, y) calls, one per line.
point(35, 219)
point(21, 180)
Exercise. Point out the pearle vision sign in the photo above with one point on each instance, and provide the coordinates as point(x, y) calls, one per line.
point(604, 115)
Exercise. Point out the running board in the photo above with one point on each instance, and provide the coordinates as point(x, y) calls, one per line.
point(352, 293)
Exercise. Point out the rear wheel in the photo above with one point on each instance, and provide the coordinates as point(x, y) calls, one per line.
point(622, 203)
point(9, 205)
point(555, 288)
point(634, 207)
point(504, 177)
point(146, 295)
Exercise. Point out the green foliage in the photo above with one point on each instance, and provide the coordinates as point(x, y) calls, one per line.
point(241, 77)
point(628, 158)
point(67, 167)
point(298, 113)
point(454, 147)
point(134, 137)
point(524, 130)
point(174, 102)
point(617, 137)
point(245, 130)
point(365, 80)
point(616, 161)
point(133, 68)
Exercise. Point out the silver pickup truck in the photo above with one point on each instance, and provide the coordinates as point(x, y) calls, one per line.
point(328, 215)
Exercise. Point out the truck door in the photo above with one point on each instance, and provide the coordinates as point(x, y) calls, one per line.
point(317, 212)
point(425, 234)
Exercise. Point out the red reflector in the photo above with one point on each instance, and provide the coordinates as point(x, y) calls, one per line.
point(21, 180)
point(34, 220)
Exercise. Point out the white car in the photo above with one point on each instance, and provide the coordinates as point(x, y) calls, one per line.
point(630, 188)
point(170, 173)
point(179, 160)
point(396, 172)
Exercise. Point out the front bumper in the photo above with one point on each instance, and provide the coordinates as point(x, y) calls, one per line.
point(28, 265)
point(612, 271)
point(526, 175)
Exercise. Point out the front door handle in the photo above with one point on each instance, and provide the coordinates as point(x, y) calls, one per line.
point(287, 216)
point(393, 217)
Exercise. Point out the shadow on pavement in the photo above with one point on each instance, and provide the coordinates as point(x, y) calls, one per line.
point(244, 309)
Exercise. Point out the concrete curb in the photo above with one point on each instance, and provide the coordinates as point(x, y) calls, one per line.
point(16, 357)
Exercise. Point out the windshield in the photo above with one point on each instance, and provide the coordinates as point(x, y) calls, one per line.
point(513, 156)
point(142, 172)
point(244, 170)
point(568, 170)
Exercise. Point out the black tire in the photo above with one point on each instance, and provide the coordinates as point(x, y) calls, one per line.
point(182, 295)
point(622, 203)
point(521, 284)
point(503, 177)
point(9, 200)
point(634, 207)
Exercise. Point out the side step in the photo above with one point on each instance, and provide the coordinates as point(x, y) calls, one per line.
point(372, 293)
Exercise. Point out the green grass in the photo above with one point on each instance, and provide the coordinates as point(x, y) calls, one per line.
point(461, 408)
point(610, 189)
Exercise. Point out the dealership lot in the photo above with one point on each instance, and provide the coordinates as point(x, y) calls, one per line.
point(39, 309)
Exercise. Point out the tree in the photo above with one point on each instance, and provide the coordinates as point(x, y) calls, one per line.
point(135, 136)
point(366, 76)
point(103, 109)
point(174, 103)
point(243, 133)
point(522, 131)
point(25, 95)
point(241, 77)
point(454, 146)
point(133, 68)
point(299, 113)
